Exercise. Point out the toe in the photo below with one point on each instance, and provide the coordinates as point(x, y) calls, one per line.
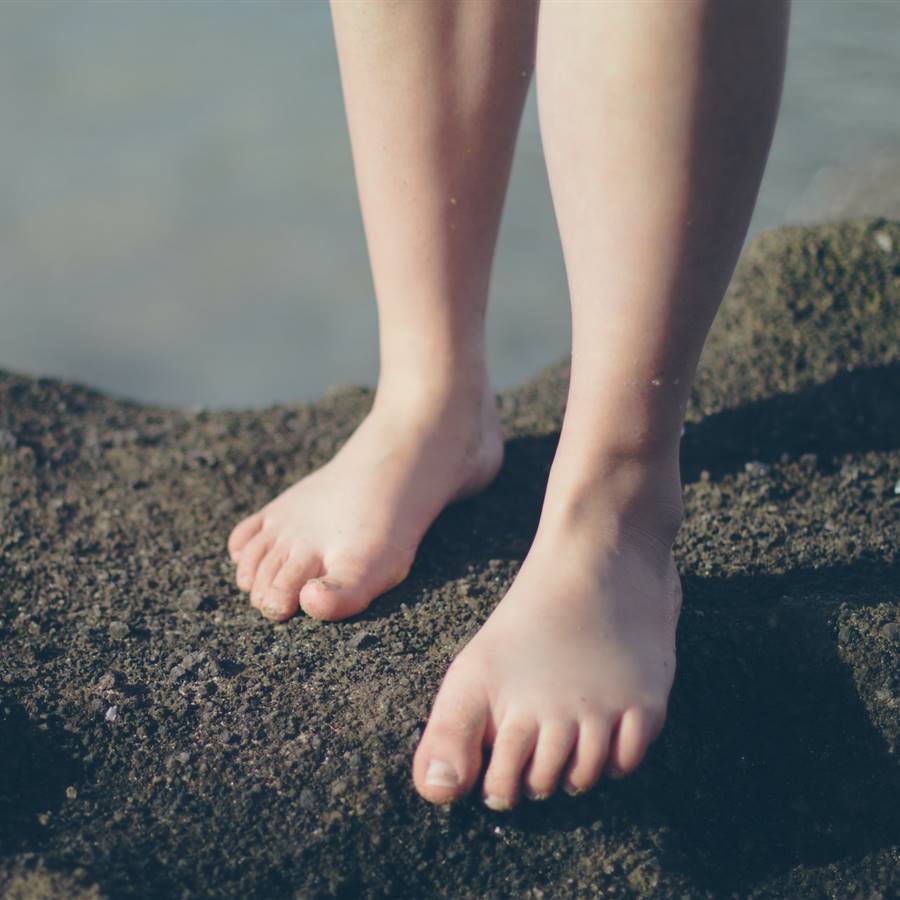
point(589, 757)
point(348, 587)
point(281, 599)
point(448, 758)
point(554, 744)
point(265, 572)
point(251, 556)
point(512, 749)
point(630, 742)
point(242, 533)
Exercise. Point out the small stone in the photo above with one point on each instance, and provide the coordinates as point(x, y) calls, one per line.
point(891, 631)
point(757, 469)
point(72, 792)
point(184, 757)
point(363, 639)
point(897, 487)
point(307, 799)
point(175, 673)
point(7, 440)
point(118, 630)
point(189, 600)
point(43, 818)
point(106, 682)
point(338, 787)
point(112, 714)
point(844, 634)
point(193, 659)
point(883, 239)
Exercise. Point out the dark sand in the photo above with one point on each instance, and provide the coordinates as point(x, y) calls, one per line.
point(158, 738)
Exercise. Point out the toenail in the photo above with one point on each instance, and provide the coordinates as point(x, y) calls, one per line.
point(615, 772)
point(498, 804)
point(573, 791)
point(536, 795)
point(328, 583)
point(269, 611)
point(440, 774)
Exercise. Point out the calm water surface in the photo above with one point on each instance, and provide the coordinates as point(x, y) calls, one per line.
point(178, 218)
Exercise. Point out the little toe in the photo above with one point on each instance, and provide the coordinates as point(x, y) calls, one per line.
point(630, 742)
point(347, 589)
point(448, 758)
point(242, 533)
point(251, 557)
point(589, 756)
point(281, 599)
point(554, 745)
point(265, 572)
point(512, 749)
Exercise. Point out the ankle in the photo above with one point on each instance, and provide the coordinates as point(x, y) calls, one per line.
point(616, 494)
point(447, 391)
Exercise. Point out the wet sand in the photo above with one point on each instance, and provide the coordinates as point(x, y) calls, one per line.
point(159, 739)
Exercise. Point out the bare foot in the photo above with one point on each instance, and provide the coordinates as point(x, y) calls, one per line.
point(571, 673)
point(349, 531)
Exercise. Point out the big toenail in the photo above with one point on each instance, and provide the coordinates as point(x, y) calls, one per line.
point(440, 774)
point(328, 583)
point(573, 791)
point(270, 611)
point(498, 804)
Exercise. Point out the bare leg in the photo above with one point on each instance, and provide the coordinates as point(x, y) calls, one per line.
point(656, 119)
point(434, 93)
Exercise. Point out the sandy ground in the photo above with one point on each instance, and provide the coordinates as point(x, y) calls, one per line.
point(159, 739)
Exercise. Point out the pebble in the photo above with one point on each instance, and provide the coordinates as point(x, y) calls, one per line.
point(7, 440)
point(338, 787)
point(106, 682)
point(112, 714)
point(897, 487)
point(72, 792)
point(189, 600)
point(192, 659)
point(891, 631)
point(175, 673)
point(363, 639)
point(118, 630)
point(757, 469)
point(883, 239)
point(307, 799)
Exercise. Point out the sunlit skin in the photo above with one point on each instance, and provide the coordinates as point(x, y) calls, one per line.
point(656, 119)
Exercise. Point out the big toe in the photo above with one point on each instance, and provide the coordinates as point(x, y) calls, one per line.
point(348, 587)
point(448, 758)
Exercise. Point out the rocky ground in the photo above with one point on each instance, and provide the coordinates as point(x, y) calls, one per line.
point(159, 739)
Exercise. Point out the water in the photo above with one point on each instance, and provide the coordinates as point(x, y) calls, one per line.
point(178, 218)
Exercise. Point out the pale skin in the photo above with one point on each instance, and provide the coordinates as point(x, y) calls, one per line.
point(656, 119)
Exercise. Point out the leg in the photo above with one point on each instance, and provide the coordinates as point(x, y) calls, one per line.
point(656, 120)
point(434, 93)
